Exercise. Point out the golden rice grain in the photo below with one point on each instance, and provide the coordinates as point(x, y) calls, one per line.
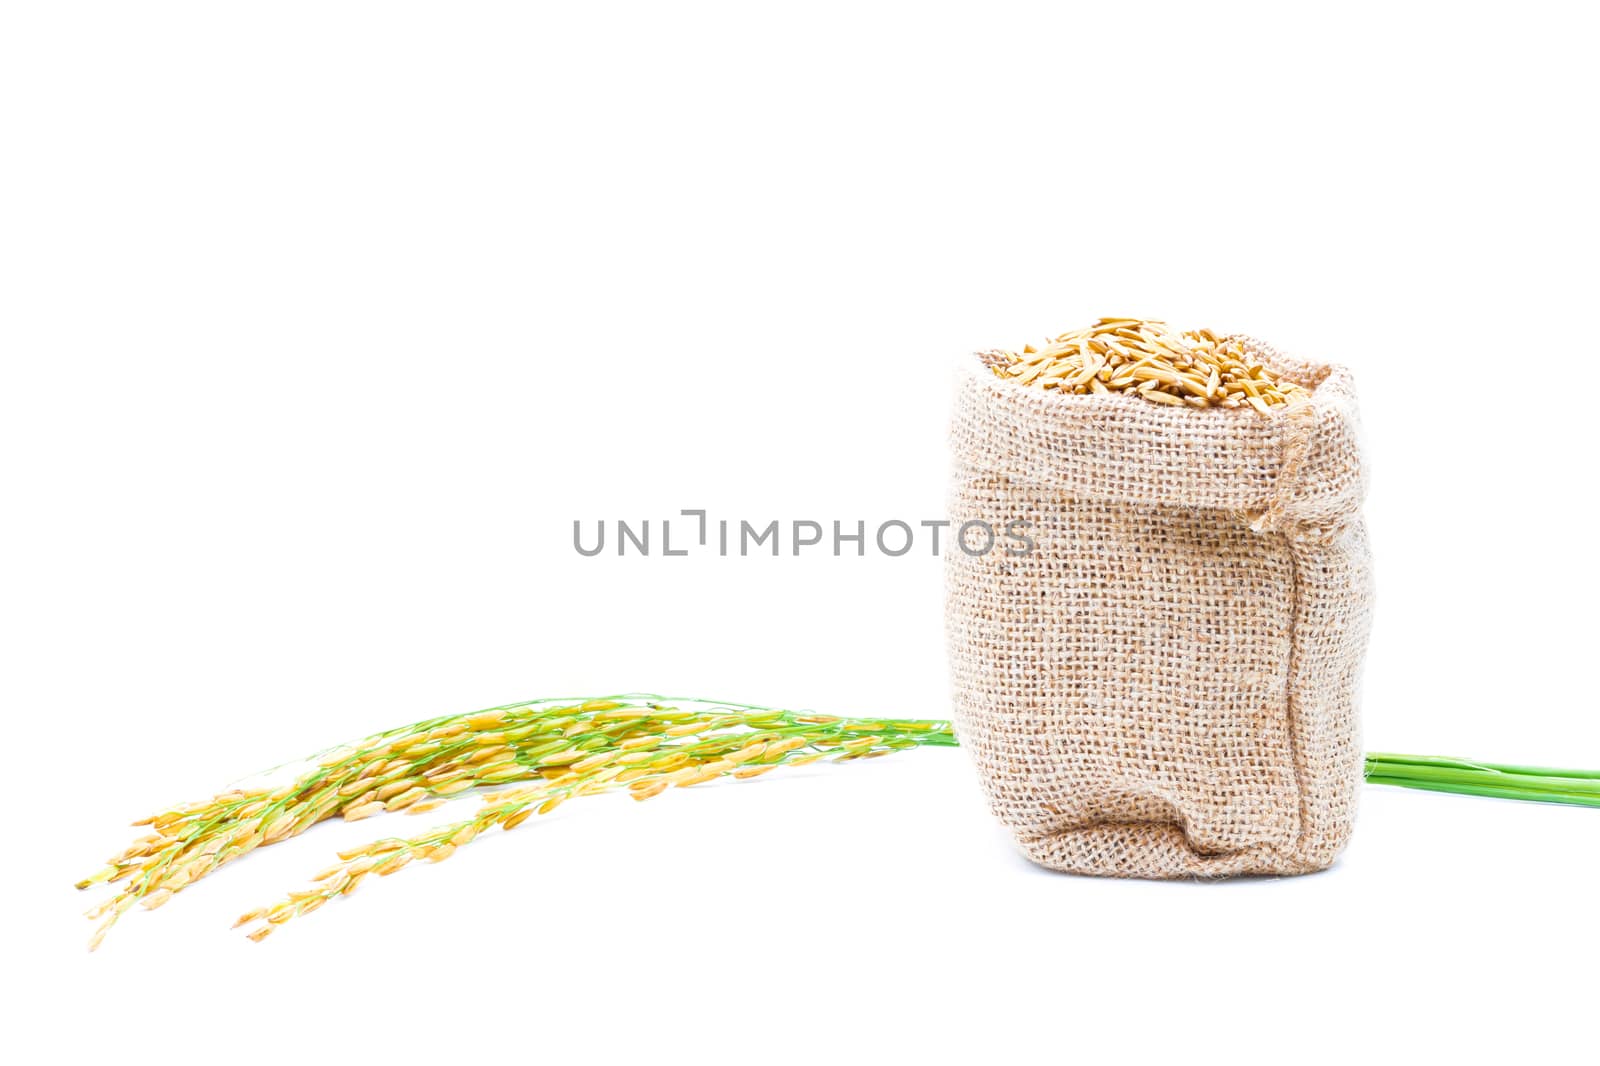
point(392, 863)
point(648, 789)
point(394, 788)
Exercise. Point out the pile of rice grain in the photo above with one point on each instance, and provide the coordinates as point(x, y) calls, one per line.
point(1152, 360)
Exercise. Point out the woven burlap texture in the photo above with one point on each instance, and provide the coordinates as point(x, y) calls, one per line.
point(1167, 684)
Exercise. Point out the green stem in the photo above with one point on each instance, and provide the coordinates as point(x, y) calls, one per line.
point(1577, 799)
point(1445, 775)
point(1536, 784)
point(1463, 764)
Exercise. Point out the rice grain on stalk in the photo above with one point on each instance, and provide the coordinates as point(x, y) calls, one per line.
point(550, 751)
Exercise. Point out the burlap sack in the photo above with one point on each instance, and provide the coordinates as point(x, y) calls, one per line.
point(1166, 686)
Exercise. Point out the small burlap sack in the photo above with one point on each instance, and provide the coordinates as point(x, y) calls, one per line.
point(1166, 685)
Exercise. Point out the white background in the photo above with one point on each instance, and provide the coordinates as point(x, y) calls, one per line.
point(322, 322)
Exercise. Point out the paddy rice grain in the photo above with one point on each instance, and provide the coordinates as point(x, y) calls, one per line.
point(1149, 359)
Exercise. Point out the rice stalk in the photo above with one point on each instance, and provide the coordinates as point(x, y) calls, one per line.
point(551, 750)
point(1540, 784)
point(527, 759)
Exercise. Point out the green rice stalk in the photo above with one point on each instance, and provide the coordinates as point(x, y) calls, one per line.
point(1539, 784)
point(535, 755)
